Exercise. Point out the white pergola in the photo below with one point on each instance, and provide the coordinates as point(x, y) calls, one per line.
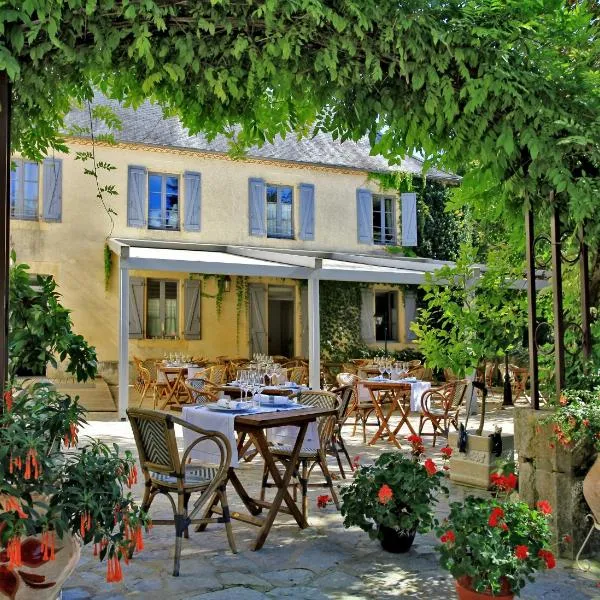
point(249, 261)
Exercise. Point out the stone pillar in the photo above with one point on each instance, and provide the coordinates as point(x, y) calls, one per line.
point(547, 471)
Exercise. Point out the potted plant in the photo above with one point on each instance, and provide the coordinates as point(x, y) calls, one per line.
point(492, 547)
point(393, 499)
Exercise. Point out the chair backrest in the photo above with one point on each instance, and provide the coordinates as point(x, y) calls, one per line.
point(417, 372)
point(218, 374)
point(344, 379)
point(155, 439)
point(457, 394)
point(321, 399)
point(298, 375)
point(346, 395)
point(414, 363)
point(449, 375)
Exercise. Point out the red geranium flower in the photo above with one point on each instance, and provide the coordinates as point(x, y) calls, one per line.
point(322, 501)
point(506, 483)
point(548, 558)
point(414, 439)
point(446, 451)
point(521, 552)
point(496, 514)
point(385, 494)
point(430, 467)
point(544, 507)
point(448, 537)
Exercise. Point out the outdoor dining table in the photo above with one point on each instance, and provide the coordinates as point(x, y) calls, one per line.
point(256, 425)
point(174, 377)
point(397, 395)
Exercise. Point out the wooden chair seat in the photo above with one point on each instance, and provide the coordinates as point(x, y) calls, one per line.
point(195, 478)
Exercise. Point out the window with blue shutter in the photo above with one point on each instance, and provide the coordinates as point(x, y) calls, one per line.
point(52, 190)
point(280, 211)
point(163, 201)
point(256, 206)
point(364, 214)
point(193, 193)
point(384, 220)
point(136, 196)
point(24, 190)
point(307, 212)
point(409, 219)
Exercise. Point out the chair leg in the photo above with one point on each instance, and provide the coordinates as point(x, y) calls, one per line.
point(265, 481)
point(186, 499)
point(304, 485)
point(227, 518)
point(327, 475)
point(345, 451)
point(421, 424)
point(180, 526)
point(337, 456)
point(355, 424)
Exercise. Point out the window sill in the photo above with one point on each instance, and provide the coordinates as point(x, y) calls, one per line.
point(280, 237)
point(167, 228)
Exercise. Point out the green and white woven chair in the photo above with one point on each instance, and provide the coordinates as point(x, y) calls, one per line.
point(309, 459)
point(167, 472)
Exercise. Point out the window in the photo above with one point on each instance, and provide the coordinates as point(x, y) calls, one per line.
point(163, 201)
point(386, 306)
point(384, 221)
point(279, 211)
point(161, 310)
point(24, 190)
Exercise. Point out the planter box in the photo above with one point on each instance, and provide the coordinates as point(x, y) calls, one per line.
point(476, 465)
point(547, 471)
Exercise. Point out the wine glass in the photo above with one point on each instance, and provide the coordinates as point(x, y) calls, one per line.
point(381, 367)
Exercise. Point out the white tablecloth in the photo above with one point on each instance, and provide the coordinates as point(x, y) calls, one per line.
point(207, 452)
point(417, 389)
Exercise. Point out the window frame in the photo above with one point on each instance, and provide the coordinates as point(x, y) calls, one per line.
point(162, 312)
point(381, 211)
point(279, 187)
point(18, 211)
point(392, 333)
point(163, 201)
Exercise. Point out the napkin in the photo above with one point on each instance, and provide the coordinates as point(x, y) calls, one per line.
point(266, 400)
point(233, 404)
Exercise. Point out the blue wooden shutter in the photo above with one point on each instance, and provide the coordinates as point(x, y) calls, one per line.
point(191, 306)
point(136, 307)
point(257, 199)
point(364, 214)
point(193, 194)
point(410, 312)
point(136, 196)
point(52, 192)
point(409, 218)
point(307, 211)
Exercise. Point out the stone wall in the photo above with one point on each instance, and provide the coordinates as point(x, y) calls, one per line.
point(547, 471)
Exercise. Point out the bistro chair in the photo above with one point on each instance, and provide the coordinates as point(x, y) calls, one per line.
point(167, 472)
point(347, 397)
point(418, 372)
point(218, 374)
point(201, 391)
point(440, 406)
point(309, 459)
point(143, 380)
point(298, 375)
point(360, 408)
point(412, 364)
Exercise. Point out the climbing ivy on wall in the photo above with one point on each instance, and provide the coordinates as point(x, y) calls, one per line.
point(340, 306)
point(441, 229)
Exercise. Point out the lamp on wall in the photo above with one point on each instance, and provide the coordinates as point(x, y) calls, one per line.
point(226, 283)
point(379, 320)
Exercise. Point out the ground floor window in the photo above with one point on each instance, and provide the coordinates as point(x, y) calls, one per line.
point(386, 316)
point(161, 309)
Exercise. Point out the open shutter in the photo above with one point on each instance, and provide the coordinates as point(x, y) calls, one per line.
point(364, 213)
point(193, 190)
point(257, 295)
point(136, 196)
point(136, 307)
point(409, 218)
point(257, 199)
point(191, 306)
point(52, 210)
point(367, 316)
point(410, 312)
point(307, 211)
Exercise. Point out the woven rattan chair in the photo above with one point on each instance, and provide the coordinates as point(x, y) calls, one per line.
point(418, 372)
point(167, 472)
point(218, 374)
point(143, 380)
point(440, 406)
point(413, 364)
point(298, 375)
point(309, 459)
point(201, 390)
point(347, 398)
point(359, 408)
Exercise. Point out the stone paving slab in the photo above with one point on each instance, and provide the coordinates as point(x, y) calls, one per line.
point(323, 562)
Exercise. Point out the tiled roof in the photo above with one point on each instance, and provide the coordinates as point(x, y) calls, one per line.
point(147, 125)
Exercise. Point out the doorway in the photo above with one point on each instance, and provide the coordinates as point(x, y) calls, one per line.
point(281, 321)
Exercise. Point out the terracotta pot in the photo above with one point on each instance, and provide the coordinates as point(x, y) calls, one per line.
point(39, 579)
point(591, 489)
point(465, 592)
point(396, 541)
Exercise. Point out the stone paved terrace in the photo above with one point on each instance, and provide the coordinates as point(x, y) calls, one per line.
point(322, 562)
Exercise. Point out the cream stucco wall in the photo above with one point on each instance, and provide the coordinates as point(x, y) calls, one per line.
point(72, 250)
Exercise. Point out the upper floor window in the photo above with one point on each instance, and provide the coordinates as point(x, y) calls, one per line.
point(279, 211)
point(384, 220)
point(163, 201)
point(24, 190)
point(161, 309)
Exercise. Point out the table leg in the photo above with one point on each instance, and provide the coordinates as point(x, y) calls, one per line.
point(281, 483)
point(383, 418)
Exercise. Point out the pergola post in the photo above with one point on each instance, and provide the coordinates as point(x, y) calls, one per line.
point(5, 102)
point(123, 337)
point(314, 331)
point(534, 380)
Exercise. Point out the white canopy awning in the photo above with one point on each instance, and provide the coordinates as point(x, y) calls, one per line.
point(151, 255)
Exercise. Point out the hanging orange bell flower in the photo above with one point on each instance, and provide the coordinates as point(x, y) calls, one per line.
point(113, 570)
point(70, 439)
point(139, 539)
point(32, 466)
point(48, 545)
point(95, 549)
point(8, 400)
point(10, 504)
point(13, 549)
point(85, 523)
